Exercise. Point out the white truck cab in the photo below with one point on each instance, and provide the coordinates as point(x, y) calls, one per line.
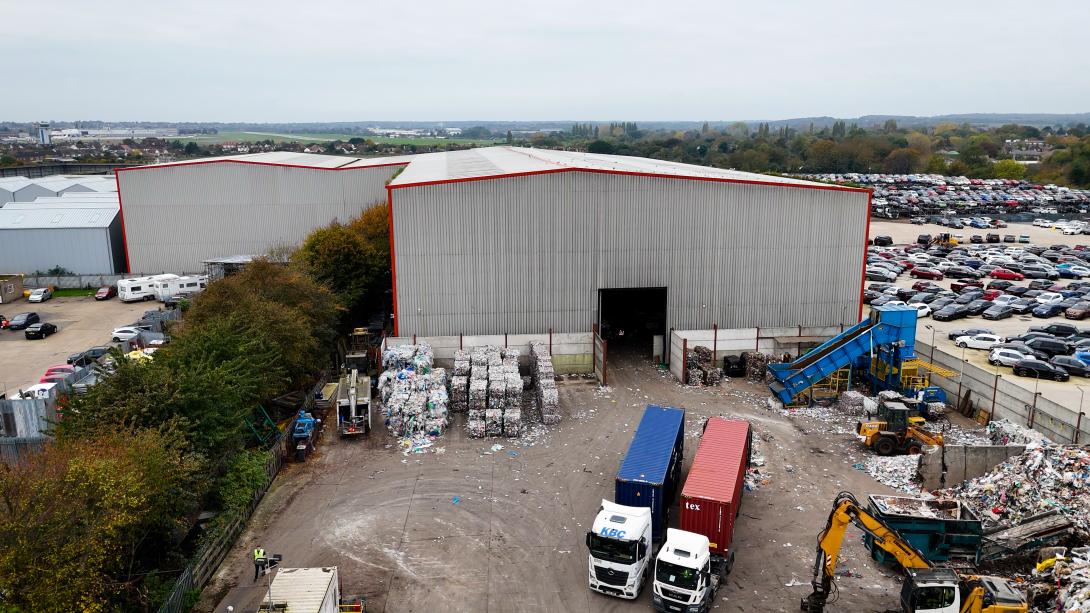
point(684, 581)
point(620, 550)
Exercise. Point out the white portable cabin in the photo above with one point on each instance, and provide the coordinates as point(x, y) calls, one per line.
point(140, 288)
point(168, 288)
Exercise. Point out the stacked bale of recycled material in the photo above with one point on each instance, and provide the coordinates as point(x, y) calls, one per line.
point(544, 380)
point(414, 394)
point(494, 391)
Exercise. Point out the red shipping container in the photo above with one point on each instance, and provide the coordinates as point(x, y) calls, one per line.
point(713, 490)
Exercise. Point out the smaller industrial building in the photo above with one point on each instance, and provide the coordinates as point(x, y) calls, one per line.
point(22, 189)
point(79, 233)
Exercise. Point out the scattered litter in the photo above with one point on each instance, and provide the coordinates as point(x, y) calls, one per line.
point(898, 471)
point(455, 500)
point(420, 443)
point(513, 453)
point(495, 448)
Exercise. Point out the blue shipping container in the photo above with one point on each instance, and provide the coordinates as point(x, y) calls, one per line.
point(651, 469)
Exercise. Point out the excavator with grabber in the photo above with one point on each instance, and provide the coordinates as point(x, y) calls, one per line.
point(926, 589)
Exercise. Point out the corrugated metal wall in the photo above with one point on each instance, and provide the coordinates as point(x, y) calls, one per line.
point(80, 250)
point(529, 253)
point(178, 216)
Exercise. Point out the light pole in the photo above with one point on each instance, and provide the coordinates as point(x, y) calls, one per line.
point(932, 329)
point(961, 374)
point(1078, 422)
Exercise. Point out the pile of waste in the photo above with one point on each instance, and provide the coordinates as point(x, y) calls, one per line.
point(414, 394)
point(757, 365)
point(897, 471)
point(1041, 479)
point(1004, 432)
point(700, 363)
point(1062, 583)
point(543, 379)
point(487, 384)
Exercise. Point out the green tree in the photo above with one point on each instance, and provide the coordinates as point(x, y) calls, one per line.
point(600, 146)
point(78, 518)
point(936, 164)
point(191, 148)
point(1009, 169)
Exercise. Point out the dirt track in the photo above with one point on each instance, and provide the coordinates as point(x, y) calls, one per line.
point(513, 541)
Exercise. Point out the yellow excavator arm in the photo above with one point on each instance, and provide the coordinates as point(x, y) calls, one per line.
point(847, 510)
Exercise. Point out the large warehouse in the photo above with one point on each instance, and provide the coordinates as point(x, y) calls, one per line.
point(178, 215)
point(512, 240)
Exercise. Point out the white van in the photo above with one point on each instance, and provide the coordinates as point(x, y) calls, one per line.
point(167, 289)
point(140, 288)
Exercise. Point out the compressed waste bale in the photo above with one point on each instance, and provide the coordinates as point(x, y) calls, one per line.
point(512, 423)
point(851, 402)
point(696, 377)
point(479, 358)
point(713, 376)
point(1006, 432)
point(475, 428)
point(497, 388)
point(527, 381)
point(438, 377)
point(493, 422)
point(550, 419)
point(476, 414)
point(478, 394)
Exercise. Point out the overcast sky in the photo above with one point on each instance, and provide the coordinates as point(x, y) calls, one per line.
point(355, 60)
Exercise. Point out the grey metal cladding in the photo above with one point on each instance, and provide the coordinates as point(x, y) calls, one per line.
point(80, 250)
point(525, 254)
point(177, 216)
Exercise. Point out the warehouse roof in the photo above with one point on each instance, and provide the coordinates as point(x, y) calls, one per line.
point(81, 200)
point(291, 159)
point(496, 162)
point(56, 219)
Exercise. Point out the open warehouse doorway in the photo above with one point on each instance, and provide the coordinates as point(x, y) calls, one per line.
point(629, 318)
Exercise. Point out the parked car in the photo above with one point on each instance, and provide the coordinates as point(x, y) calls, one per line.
point(1049, 298)
point(1058, 329)
point(998, 311)
point(40, 330)
point(1005, 357)
point(883, 241)
point(1004, 273)
point(22, 320)
point(922, 309)
point(56, 377)
point(958, 286)
point(1000, 284)
point(962, 272)
point(1050, 346)
point(992, 238)
point(106, 292)
point(1023, 306)
point(969, 296)
point(1009, 238)
point(83, 358)
point(1047, 310)
point(923, 239)
point(125, 333)
point(62, 368)
point(40, 295)
point(950, 312)
point(1023, 238)
point(1072, 365)
point(1081, 310)
point(1040, 370)
point(978, 341)
point(978, 306)
point(955, 334)
point(925, 273)
point(880, 274)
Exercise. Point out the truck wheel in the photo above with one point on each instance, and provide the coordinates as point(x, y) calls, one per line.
point(884, 446)
point(914, 449)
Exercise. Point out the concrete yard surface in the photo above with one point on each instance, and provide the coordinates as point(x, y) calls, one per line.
point(465, 528)
point(81, 323)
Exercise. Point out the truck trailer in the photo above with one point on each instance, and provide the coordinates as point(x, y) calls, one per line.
point(697, 557)
point(304, 590)
point(651, 469)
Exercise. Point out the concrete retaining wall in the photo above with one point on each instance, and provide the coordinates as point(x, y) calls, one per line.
point(571, 350)
point(1012, 401)
point(962, 462)
point(736, 341)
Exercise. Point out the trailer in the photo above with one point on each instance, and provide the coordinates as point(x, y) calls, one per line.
point(140, 288)
point(651, 469)
point(166, 289)
point(712, 495)
point(304, 590)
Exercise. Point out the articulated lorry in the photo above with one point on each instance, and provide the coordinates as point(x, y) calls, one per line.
point(621, 541)
point(697, 557)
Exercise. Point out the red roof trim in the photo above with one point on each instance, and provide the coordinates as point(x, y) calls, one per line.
point(253, 163)
point(121, 212)
point(838, 188)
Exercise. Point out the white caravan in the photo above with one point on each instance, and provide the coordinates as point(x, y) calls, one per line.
point(168, 288)
point(140, 288)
